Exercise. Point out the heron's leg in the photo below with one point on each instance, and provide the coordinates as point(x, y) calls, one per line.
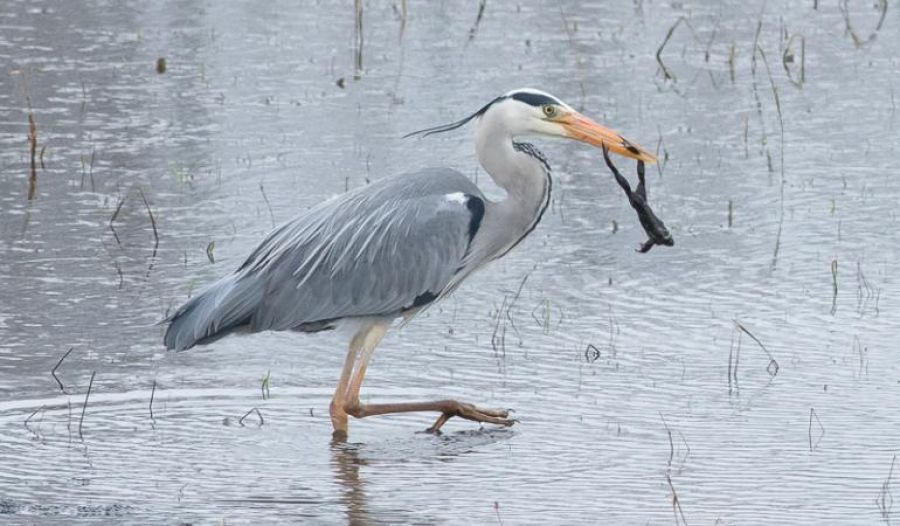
point(369, 338)
point(447, 408)
point(336, 409)
point(364, 342)
point(362, 345)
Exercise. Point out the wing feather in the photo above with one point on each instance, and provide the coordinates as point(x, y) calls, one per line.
point(371, 253)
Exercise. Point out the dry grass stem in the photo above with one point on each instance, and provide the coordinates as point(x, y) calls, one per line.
point(152, 396)
point(813, 416)
point(268, 205)
point(834, 286)
point(773, 366)
point(885, 500)
point(481, 5)
point(32, 151)
point(248, 413)
point(55, 367)
point(844, 6)
point(84, 407)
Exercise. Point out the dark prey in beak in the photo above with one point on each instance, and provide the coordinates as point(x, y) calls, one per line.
point(656, 231)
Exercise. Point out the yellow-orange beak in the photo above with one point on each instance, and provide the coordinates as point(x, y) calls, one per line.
point(583, 129)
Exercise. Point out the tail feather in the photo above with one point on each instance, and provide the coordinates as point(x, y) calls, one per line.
point(225, 306)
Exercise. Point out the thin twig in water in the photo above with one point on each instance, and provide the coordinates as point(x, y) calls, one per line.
point(667, 75)
point(32, 149)
point(37, 434)
point(781, 145)
point(676, 504)
point(358, 50)
point(545, 322)
point(112, 220)
point(69, 419)
point(55, 367)
point(834, 286)
point(478, 17)
point(671, 444)
point(788, 56)
point(91, 168)
point(152, 396)
point(512, 302)
point(813, 415)
point(404, 10)
point(755, 89)
point(687, 453)
point(730, 358)
point(734, 359)
point(152, 222)
point(773, 366)
point(268, 205)
point(258, 414)
point(84, 407)
point(885, 500)
point(664, 158)
point(498, 337)
point(861, 352)
point(565, 22)
point(266, 383)
point(731, 53)
point(155, 231)
point(844, 6)
point(119, 273)
point(591, 353)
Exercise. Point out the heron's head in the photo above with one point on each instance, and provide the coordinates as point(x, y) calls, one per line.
point(533, 112)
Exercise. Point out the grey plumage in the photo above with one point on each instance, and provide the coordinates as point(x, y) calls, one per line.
point(388, 249)
point(382, 250)
point(394, 247)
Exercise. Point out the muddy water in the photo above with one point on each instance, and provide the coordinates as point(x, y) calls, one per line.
point(617, 363)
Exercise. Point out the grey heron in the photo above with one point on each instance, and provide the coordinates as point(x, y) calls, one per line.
point(390, 249)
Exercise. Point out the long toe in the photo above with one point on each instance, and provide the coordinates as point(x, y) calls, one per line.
point(500, 413)
point(471, 412)
point(477, 414)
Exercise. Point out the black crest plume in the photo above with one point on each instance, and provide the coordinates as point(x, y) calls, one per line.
point(453, 125)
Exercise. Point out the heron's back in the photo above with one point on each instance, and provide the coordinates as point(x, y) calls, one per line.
point(380, 250)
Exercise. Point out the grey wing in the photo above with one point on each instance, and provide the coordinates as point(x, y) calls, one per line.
point(394, 245)
point(380, 251)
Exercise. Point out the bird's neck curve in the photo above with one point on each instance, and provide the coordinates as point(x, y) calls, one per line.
point(525, 179)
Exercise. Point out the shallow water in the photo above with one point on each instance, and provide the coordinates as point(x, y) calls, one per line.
point(248, 125)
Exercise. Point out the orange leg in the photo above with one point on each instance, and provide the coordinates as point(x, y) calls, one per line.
point(336, 409)
point(346, 396)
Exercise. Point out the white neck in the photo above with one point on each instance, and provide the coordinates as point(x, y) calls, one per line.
point(521, 176)
point(524, 179)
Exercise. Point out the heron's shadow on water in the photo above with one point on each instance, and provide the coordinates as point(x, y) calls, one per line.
point(348, 460)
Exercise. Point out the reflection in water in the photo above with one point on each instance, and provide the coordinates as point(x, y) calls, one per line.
point(345, 462)
point(433, 455)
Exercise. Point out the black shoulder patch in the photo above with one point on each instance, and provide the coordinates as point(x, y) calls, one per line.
point(422, 299)
point(534, 99)
point(476, 208)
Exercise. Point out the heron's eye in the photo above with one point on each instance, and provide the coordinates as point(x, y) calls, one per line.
point(549, 110)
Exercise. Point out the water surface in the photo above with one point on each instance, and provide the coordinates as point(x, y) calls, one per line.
point(617, 363)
